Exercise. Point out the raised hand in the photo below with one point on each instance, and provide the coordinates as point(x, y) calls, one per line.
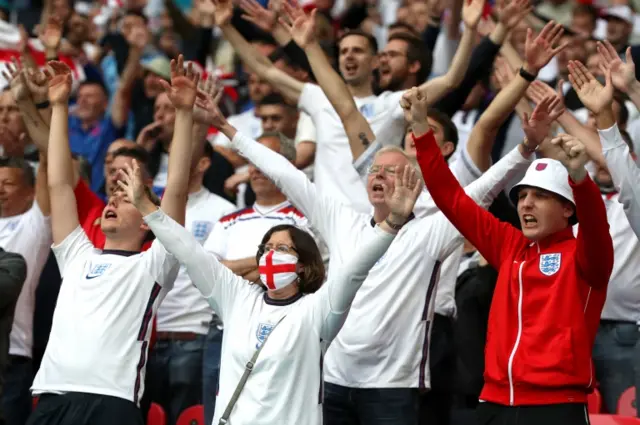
point(59, 77)
point(265, 19)
point(503, 72)
point(13, 74)
point(415, 106)
point(183, 88)
point(52, 33)
point(131, 183)
point(224, 12)
point(148, 136)
point(138, 37)
point(538, 126)
point(205, 7)
point(512, 13)
point(572, 154)
point(538, 90)
point(472, 12)
point(593, 95)
point(209, 94)
point(300, 25)
point(402, 198)
point(623, 75)
point(207, 105)
point(539, 51)
point(37, 83)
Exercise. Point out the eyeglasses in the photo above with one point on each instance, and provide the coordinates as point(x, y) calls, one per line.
point(388, 169)
point(285, 249)
point(391, 54)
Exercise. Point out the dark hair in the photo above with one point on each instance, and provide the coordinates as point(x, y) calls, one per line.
point(449, 130)
point(627, 139)
point(417, 52)
point(95, 82)
point(275, 99)
point(586, 9)
point(136, 152)
point(405, 27)
point(313, 272)
point(373, 44)
point(138, 13)
point(207, 151)
point(20, 163)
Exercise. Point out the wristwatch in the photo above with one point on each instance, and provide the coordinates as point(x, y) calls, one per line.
point(527, 147)
point(527, 75)
point(393, 225)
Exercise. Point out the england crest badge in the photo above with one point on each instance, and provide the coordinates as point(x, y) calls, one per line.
point(550, 263)
point(264, 329)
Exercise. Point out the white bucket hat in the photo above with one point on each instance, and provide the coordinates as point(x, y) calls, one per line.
point(547, 174)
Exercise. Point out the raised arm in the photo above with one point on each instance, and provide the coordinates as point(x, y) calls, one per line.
point(490, 236)
point(137, 39)
point(64, 214)
point(182, 93)
point(261, 65)
point(215, 282)
point(623, 74)
point(594, 253)
point(341, 290)
point(13, 272)
point(438, 87)
point(302, 30)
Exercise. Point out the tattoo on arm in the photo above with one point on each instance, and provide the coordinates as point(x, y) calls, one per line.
point(364, 140)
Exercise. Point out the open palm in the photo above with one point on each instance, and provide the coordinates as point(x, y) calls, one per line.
point(622, 74)
point(472, 12)
point(183, 88)
point(223, 12)
point(591, 93)
point(538, 126)
point(131, 183)
point(407, 189)
point(538, 51)
point(301, 26)
point(59, 77)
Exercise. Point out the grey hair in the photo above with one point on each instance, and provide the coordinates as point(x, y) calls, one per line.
point(287, 145)
point(412, 159)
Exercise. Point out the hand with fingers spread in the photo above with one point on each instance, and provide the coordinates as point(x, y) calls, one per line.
point(415, 106)
point(223, 12)
point(472, 12)
point(538, 51)
point(537, 91)
point(183, 88)
point(402, 198)
point(205, 109)
point(300, 25)
point(59, 77)
point(623, 74)
point(593, 95)
point(510, 14)
point(130, 181)
point(13, 73)
point(538, 126)
point(37, 83)
point(205, 7)
point(148, 136)
point(265, 19)
point(572, 154)
point(52, 34)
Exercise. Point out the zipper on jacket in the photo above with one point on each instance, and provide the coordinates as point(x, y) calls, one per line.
point(515, 346)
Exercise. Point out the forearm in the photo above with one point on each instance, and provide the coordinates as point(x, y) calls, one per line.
point(249, 56)
point(241, 267)
point(588, 137)
point(38, 130)
point(499, 34)
point(60, 170)
point(175, 195)
point(122, 97)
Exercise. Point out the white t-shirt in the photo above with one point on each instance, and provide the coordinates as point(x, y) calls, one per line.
point(285, 385)
point(29, 235)
point(385, 339)
point(99, 339)
point(184, 309)
point(306, 132)
point(334, 171)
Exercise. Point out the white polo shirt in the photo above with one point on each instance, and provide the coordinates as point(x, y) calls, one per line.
point(184, 309)
point(334, 171)
point(99, 338)
point(384, 342)
point(29, 235)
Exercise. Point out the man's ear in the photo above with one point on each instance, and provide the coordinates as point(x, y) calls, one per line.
point(447, 149)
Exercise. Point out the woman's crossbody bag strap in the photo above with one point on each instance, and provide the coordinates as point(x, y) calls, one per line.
point(243, 380)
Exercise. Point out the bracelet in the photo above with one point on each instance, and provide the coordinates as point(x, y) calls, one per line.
point(528, 148)
point(393, 225)
point(42, 105)
point(526, 75)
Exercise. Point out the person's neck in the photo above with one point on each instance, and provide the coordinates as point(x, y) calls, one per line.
point(380, 213)
point(195, 185)
point(270, 200)
point(361, 90)
point(287, 292)
point(112, 244)
point(408, 83)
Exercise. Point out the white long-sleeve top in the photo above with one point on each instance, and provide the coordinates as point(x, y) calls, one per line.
point(285, 386)
point(624, 172)
point(384, 341)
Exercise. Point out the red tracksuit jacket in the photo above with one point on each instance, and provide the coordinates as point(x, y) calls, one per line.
point(549, 294)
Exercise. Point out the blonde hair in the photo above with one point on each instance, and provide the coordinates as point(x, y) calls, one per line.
point(395, 149)
point(287, 145)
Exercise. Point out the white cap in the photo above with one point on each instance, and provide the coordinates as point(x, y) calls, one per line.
point(547, 174)
point(622, 12)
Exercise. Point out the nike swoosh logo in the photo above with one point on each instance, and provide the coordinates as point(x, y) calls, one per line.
point(92, 276)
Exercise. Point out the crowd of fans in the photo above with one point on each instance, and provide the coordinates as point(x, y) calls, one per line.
point(158, 157)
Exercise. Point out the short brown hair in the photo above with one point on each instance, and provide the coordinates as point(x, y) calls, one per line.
point(313, 272)
point(417, 51)
point(373, 44)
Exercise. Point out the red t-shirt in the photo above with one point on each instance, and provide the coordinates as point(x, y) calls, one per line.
point(90, 208)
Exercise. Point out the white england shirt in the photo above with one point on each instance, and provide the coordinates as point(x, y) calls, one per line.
point(99, 339)
point(29, 235)
point(384, 342)
point(334, 171)
point(285, 386)
point(184, 309)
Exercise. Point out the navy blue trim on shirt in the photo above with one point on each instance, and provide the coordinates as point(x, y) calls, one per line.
point(411, 217)
point(286, 301)
point(121, 252)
